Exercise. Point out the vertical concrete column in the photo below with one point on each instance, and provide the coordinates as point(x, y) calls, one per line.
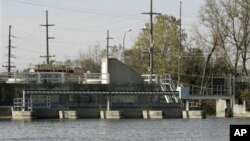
point(23, 101)
point(187, 105)
point(31, 103)
point(244, 105)
point(220, 108)
point(62, 78)
point(108, 103)
point(61, 114)
point(145, 114)
point(105, 73)
point(102, 114)
point(39, 78)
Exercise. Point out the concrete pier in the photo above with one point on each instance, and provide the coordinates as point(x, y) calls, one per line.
point(110, 114)
point(68, 114)
point(155, 114)
point(193, 114)
point(145, 114)
point(224, 108)
point(239, 111)
point(152, 114)
point(23, 115)
point(61, 114)
point(97, 113)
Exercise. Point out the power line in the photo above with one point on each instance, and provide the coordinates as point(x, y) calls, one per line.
point(29, 50)
point(78, 9)
point(62, 41)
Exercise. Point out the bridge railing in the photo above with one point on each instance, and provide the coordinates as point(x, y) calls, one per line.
point(216, 90)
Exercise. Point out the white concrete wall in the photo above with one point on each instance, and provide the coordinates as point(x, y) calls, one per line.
point(105, 71)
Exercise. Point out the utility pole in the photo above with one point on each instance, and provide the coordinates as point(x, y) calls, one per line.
point(180, 46)
point(151, 13)
point(47, 38)
point(9, 54)
point(108, 38)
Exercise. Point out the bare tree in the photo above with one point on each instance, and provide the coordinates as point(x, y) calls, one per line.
point(227, 27)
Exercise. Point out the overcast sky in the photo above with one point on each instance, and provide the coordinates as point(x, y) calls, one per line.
point(78, 25)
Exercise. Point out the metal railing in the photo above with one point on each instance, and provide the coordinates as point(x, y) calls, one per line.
point(31, 103)
point(96, 78)
point(155, 78)
point(19, 104)
point(167, 80)
point(40, 102)
point(192, 105)
point(215, 90)
point(55, 77)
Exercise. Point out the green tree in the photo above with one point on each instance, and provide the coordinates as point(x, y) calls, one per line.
point(166, 46)
point(192, 63)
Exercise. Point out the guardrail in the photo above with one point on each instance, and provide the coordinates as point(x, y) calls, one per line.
point(68, 92)
point(55, 77)
point(31, 103)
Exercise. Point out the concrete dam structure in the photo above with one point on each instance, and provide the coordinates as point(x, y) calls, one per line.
point(117, 92)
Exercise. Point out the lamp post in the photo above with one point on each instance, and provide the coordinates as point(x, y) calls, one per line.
point(123, 45)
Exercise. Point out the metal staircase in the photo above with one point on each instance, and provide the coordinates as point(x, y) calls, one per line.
point(167, 84)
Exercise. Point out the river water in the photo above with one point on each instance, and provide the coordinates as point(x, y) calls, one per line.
point(210, 129)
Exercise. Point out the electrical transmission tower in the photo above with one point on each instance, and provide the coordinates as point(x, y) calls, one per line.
point(9, 66)
point(47, 39)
